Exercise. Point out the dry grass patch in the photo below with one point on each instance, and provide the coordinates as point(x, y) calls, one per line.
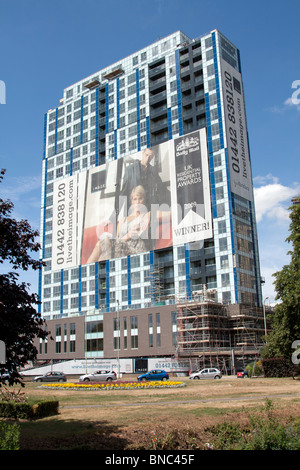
point(114, 420)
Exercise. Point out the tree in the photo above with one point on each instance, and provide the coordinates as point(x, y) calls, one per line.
point(285, 321)
point(19, 321)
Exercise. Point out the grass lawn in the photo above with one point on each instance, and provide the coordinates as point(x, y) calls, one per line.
point(117, 420)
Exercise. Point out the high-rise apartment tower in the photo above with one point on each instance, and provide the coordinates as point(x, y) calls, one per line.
point(147, 208)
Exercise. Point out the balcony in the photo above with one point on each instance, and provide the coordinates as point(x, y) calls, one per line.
point(159, 126)
point(157, 72)
point(158, 98)
point(157, 84)
point(158, 112)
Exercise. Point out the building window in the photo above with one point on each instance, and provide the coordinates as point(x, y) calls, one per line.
point(125, 332)
point(116, 322)
point(74, 302)
point(158, 337)
point(57, 330)
point(134, 332)
point(47, 292)
point(136, 293)
point(56, 305)
point(94, 326)
point(135, 277)
point(226, 297)
point(220, 209)
point(225, 280)
point(93, 345)
point(224, 262)
point(150, 327)
point(222, 226)
point(223, 244)
point(174, 328)
point(219, 176)
point(72, 328)
point(220, 193)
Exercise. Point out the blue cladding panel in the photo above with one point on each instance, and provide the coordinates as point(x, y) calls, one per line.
point(129, 279)
point(81, 121)
point(40, 287)
point(169, 124)
point(148, 131)
point(56, 118)
point(187, 271)
point(178, 92)
point(71, 161)
point(44, 211)
point(107, 285)
point(79, 288)
point(96, 285)
point(61, 292)
point(211, 160)
point(97, 129)
point(45, 136)
point(118, 103)
point(116, 144)
point(138, 110)
point(106, 108)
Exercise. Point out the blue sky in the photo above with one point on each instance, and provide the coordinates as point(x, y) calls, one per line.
point(47, 45)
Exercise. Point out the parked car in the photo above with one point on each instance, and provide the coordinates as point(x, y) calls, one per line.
point(243, 374)
point(212, 373)
point(156, 374)
point(99, 376)
point(51, 377)
point(5, 375)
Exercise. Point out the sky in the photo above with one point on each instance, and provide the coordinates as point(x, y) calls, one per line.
point(47, 45)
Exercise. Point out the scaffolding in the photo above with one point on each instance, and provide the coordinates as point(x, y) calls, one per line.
point(212, 334)
point(247, 326)
point(158, 285)
point(202, 325)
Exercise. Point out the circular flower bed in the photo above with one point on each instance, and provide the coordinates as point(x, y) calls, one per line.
point(113, 385)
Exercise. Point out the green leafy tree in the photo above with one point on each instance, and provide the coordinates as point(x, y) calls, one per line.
point(19, 321)
point(285, 321)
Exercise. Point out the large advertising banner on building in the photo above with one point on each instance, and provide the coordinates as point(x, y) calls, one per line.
point(146, 201)
point(64, 228)
point(236, 131)
point(190, 187)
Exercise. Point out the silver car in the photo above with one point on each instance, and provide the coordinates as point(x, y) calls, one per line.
point(99, 376)
point(212, 373)
point(51, 377)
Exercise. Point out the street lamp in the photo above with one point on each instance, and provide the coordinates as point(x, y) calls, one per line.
point(264, 311)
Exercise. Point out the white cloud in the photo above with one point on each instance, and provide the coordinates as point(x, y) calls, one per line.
point(273, 199)
point(272, 202)
point(16, 187)
point(291, 102)
point(25, 194)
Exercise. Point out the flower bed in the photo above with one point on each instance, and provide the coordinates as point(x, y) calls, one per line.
point(113, 385)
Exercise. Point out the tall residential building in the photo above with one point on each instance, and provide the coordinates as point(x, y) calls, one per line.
point(129, 280)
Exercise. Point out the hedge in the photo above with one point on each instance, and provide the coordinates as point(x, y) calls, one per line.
point(39, 410)
point(279, 367)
